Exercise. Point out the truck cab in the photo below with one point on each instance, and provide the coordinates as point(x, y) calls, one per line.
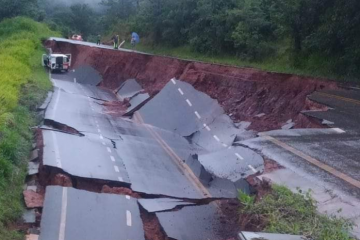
point(57, 62)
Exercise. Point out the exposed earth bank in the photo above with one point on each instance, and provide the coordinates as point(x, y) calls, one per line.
point(266, 99)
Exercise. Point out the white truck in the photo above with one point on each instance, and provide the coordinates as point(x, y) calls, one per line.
point(57, 62)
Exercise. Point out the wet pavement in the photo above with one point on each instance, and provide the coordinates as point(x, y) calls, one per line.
point(71, 214)
point(189, 158)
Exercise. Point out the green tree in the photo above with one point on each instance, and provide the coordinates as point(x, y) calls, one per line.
point(13, 8)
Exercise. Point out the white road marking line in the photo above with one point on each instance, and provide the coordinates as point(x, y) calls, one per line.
point(252, 169)
point(112, 159)
point(128, 197)
point(57, 153)
point(207, 127)
point(108, 149)
point(224, 145)
point(63, 214)
point(116, 168)
point(216, 138)
point(188, 102)
point(75, 80)
point(173, 81)
point(239, 156)
point(339, 130)
point(120, 179)
point(56, 103)
point(198, 115)
point(230, 147)
point(99, 130)
point(128, 218)
point(180, 91)
point(103, 143)
point(101, 137)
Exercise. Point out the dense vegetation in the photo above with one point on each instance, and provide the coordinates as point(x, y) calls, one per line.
point(23, 84)
point(317, 37)
point(283, 211)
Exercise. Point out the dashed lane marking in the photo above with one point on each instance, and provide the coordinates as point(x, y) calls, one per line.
point(128, 197)
point(128, 218)
point(63, 214)
point(197, 115)
point(207, 127)
point(101, 137)
point(173, 81)
point(99, 130)
point(112, 158)
point(239, 156)
point(225, 145)
point(180, 91)
point(216, 138)
point(120, 179)
point(252, 169)
point(188, 102)
point(103, 143)
point(116, 169)
point(108, 149)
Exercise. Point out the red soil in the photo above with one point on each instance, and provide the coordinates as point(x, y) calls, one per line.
point(243, 92)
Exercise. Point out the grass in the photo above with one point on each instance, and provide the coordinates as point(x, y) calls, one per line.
point(313, 66)
point(23, 86)
point(283, 211)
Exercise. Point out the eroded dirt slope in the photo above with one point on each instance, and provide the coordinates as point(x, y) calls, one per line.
point(244, 93)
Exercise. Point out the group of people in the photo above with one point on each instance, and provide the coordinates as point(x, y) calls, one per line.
point(115, 39)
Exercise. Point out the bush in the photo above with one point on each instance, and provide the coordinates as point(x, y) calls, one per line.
point(283, 211)
point(23, 80)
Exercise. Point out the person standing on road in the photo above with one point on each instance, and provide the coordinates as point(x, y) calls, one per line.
point(98, 39)
point(116, 41)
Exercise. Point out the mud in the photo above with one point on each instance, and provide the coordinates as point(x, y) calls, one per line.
point(116, 108)
point(243, 92)
point(33, 199)
point(120, 191)
point(152, 227)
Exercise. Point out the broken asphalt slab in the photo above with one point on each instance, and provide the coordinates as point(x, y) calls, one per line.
point(162, 204)
point(325, 155)
point(232, 164)
point(192, 222)
point(78, 112)
point(129, 89)
point(85, 90)
point(75, 214)
point(174, 110)
point(87, 157)
point(136, 102)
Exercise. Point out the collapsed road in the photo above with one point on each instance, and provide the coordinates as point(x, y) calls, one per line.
point(136, 146)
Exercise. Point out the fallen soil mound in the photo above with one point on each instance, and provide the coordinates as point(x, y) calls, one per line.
point(267, 100)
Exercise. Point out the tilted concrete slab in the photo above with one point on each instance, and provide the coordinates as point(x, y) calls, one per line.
point(75, 214)
point(162, 204)
point(129, 89)
point(192, 222)
point(232, 164)
point(155, 160)
point(86, 157)
point(175, 112)
point(136, 102)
